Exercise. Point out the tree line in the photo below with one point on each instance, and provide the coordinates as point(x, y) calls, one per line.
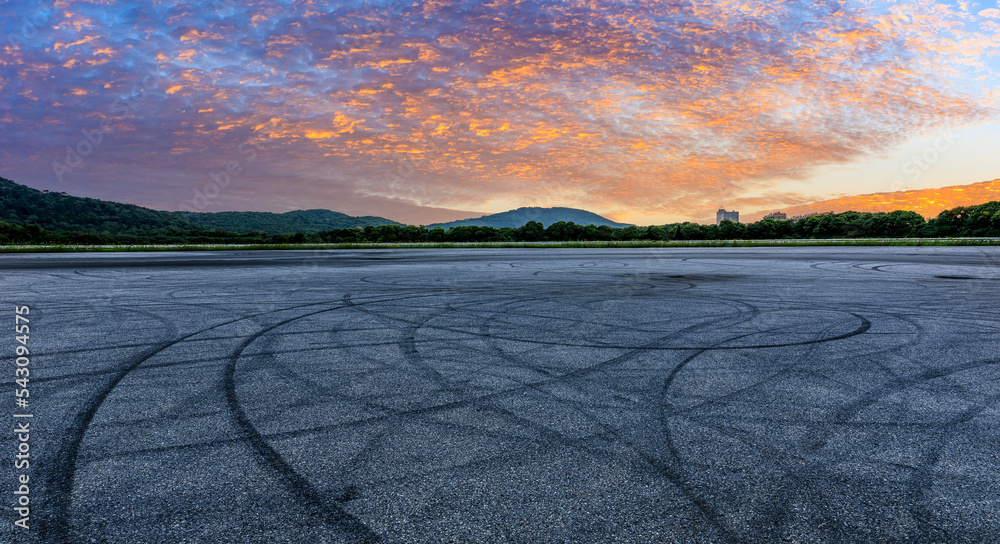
point(981, 220)
point(849, 225)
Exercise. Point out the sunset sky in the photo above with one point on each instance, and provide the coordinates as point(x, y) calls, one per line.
point(644, 111)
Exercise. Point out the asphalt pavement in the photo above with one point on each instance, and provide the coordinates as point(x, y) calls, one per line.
point(535, 395)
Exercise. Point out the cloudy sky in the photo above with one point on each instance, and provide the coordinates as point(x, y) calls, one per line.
point(644, 111)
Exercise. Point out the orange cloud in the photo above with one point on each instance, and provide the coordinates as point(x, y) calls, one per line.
point(927, 202)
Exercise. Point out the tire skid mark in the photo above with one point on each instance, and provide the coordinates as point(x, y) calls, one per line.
point(329, 510)
point(891, 370)
point(492, 341)
point(812, 482)
point(408, 348)
point(131, 307)
point(399, 415)
point(672, 467)
point(416, 361)
point(818, 438)
point(543, 431)
point(819, 266)
point(701, 324)
point(865, 325)
point(636, 448)
point(717, 400)
point(922, 478)
point(847, 413)
point(290, 374)
point(577, 321)
point(609, 430)
point(407, 342)
point(61, 479)
point(418, 412)
point(797, 477)
point(519, 362)
point(55, 525)
point(777, 508)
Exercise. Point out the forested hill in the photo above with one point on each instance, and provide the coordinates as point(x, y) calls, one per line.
point(41, 217)
point(306, 221)
point(521, 216)
point(60, 212)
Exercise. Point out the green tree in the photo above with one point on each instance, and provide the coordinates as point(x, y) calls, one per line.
point(732, 231)
point(655, 233)
point(532, 231)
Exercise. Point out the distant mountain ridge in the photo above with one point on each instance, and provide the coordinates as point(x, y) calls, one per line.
point(546, 216)
point(305, 221)
point(60, 212)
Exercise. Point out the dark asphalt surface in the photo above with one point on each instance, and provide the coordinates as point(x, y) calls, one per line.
point(528, 396)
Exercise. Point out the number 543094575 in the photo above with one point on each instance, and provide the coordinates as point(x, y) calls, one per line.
point(21, 323)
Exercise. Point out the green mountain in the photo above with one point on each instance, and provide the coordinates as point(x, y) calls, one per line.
point(59, 212)
point(306, 221)
point(546, 216)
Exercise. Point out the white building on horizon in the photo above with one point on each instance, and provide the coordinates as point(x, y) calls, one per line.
point(723, 215)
